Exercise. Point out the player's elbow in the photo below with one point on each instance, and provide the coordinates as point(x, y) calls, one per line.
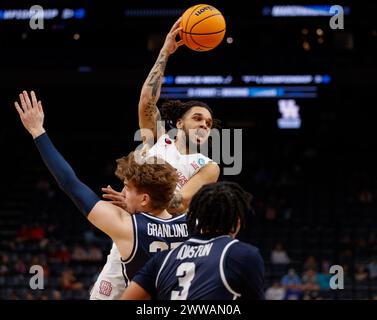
point(145, 99)
point(214, 172)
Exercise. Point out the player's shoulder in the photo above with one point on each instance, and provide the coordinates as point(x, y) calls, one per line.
point(240, 249)
point(208, 165)
point(159, 257)
point(165, 139)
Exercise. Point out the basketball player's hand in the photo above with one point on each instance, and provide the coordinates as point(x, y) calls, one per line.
point(115, 197)
point(31, 113)
point(171, 44)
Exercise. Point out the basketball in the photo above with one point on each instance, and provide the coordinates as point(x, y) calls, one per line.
point(203, 27)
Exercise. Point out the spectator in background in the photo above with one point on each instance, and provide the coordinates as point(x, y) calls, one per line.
point(310, 281)
point(293, 294)
point(311, 263)
point(19, 266)
point(291, 281)
point(62, 254)
point(13, 296)
point(68, 281)
point(275, 292)
point(279, 261)
point(94, 254)
point(292, 284)
point(279, 255)
point(56, 295)
point(79, 253)
point(325, 265)
point(23, 234)
point(365, 196)
point(4, 264)
point(372, 268)
point(311, 295)
point(91, 237)
point(323, 278)
point(361, 274)
point(37, 232)
point(28, 296)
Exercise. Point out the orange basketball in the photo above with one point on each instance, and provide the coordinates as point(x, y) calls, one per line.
point(203, 27)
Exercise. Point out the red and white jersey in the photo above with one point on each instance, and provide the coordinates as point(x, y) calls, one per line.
point(187, 165)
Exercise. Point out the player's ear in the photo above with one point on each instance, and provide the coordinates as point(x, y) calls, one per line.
point(179, 123)
point(145, 199)
point(237, 227)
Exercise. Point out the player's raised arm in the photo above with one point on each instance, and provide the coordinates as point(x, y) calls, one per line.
point(182, 198)
point(149, 115)
point(103, 215)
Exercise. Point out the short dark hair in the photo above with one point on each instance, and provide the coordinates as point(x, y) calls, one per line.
point(216, 207)
point(173, 110)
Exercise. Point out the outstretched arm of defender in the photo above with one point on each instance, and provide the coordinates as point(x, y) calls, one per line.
point(149, 115)
point(102, 214)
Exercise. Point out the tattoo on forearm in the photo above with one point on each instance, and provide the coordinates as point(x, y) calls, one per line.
point(151, 111)
point(154, 79)
point(176, 202)
point(152, 86)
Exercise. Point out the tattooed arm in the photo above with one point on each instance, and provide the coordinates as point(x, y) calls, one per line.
point(149, 114)
point(182, 198)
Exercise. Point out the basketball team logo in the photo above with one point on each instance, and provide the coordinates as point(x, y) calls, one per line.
point(105, 288)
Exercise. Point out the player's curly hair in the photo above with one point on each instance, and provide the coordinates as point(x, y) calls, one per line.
point(216, 208)
point(173, 110)
point(157, 179)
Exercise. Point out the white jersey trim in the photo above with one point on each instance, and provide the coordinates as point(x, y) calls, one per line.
point(222, 273)
point(162, 220)
point(125, 275)
point(205, 241)
point(136, 242)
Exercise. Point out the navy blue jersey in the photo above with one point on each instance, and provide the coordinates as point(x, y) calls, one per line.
point(221, 268)
point(151, 235)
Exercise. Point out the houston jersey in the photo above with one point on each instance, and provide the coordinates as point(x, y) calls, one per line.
point(187, 165)
point(151, 235)
point(216, 269)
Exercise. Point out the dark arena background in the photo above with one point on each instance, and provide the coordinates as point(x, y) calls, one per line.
point(303, 94)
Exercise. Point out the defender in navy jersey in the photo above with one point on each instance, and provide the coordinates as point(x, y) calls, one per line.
point(143, 228)
point(152, 234)
point(211, 265)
